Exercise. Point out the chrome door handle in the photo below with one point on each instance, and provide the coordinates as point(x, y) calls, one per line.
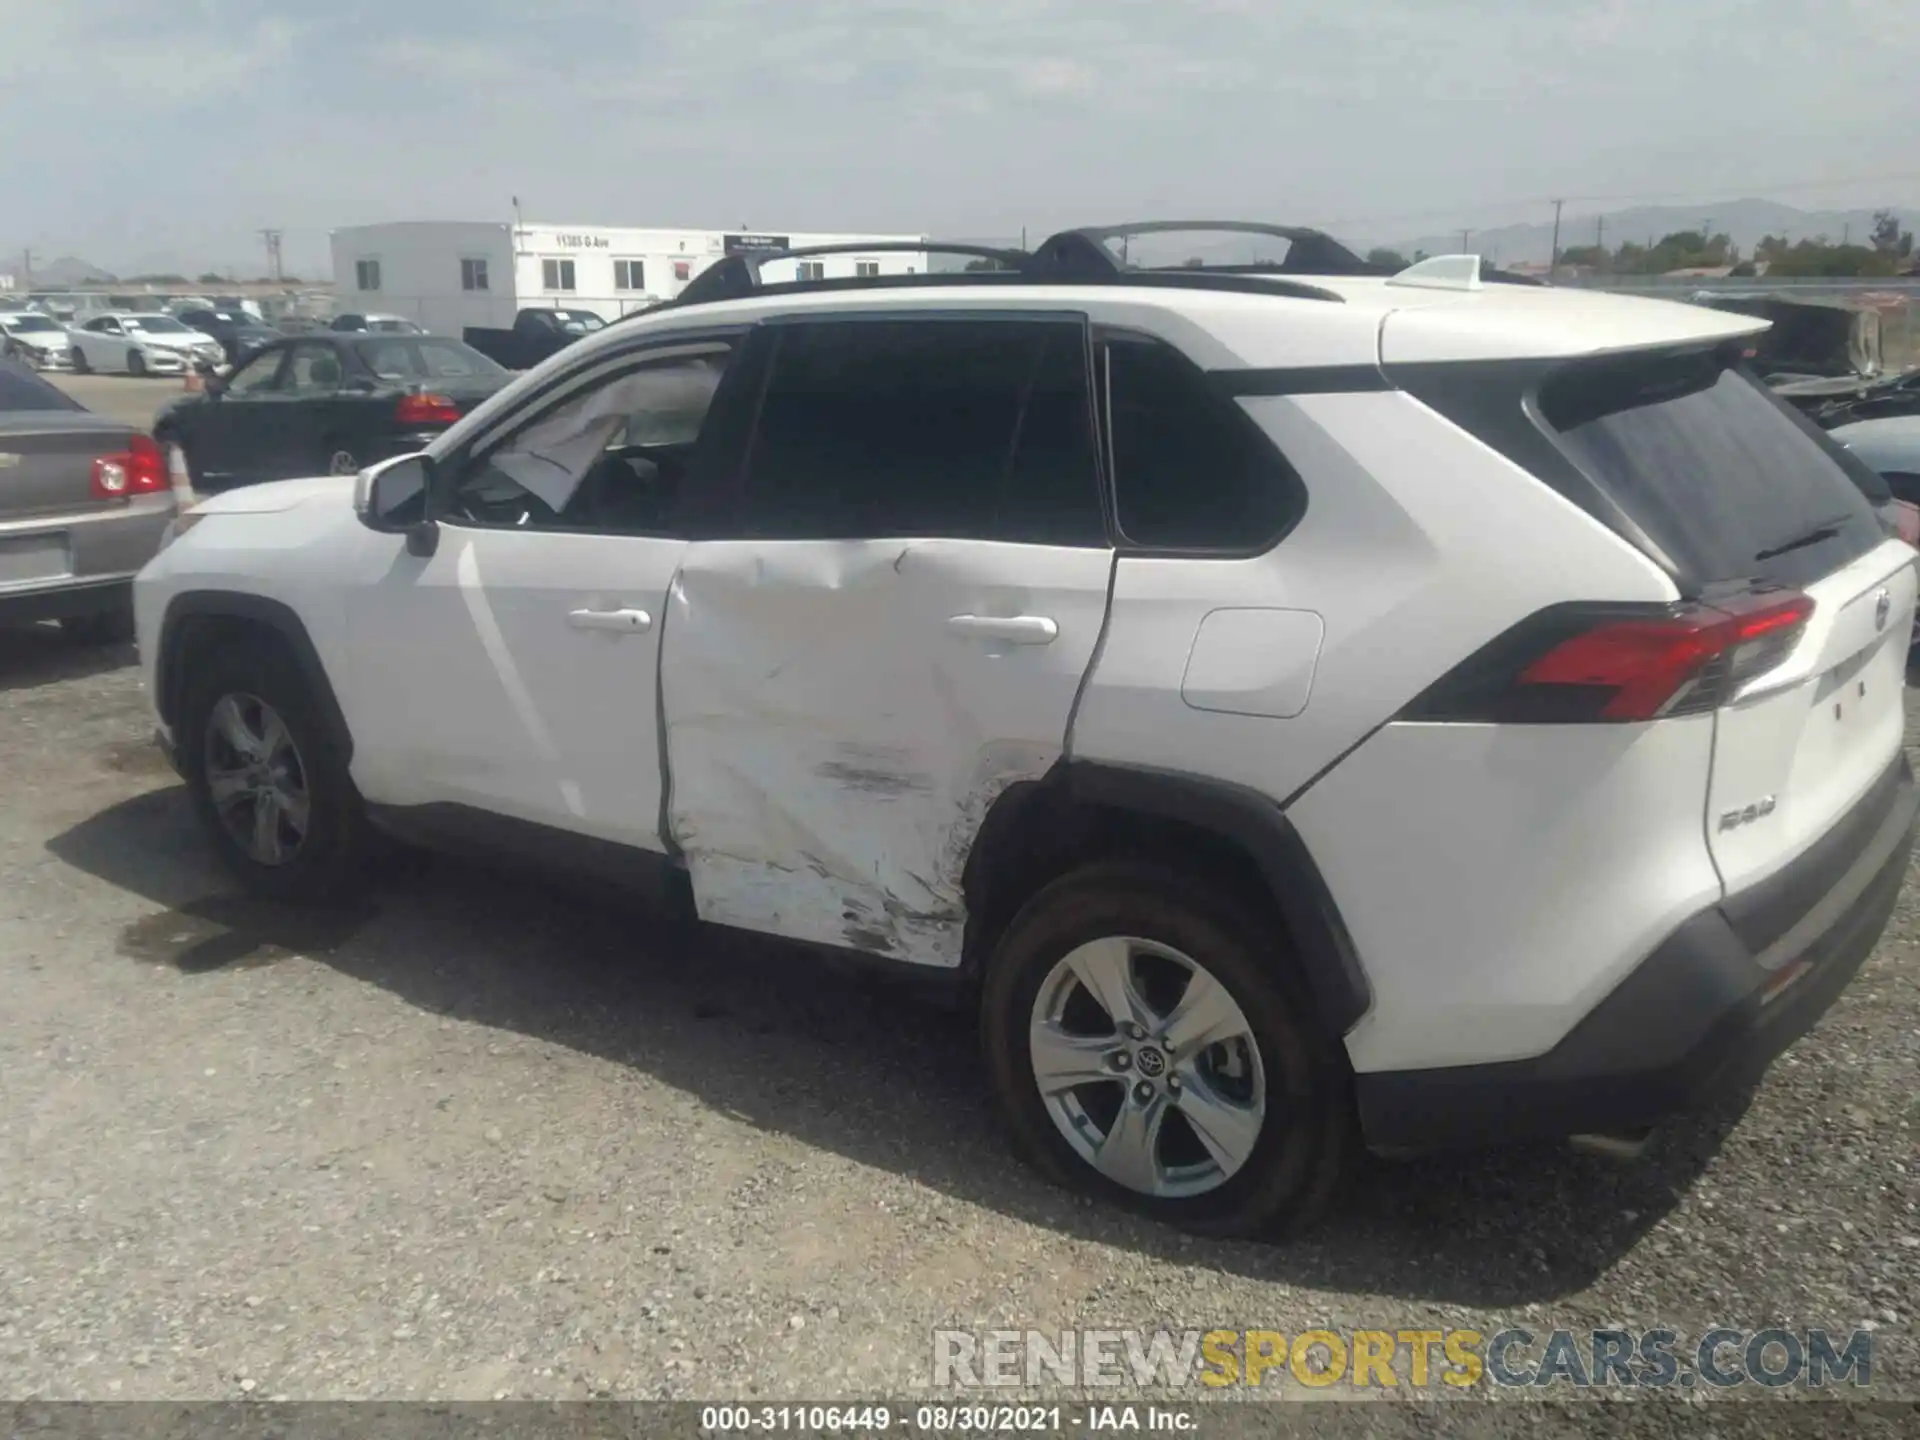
point(1015, 629)
point(626, 622)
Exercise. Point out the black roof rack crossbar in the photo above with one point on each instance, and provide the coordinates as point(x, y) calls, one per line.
point(738, 275)
point(1085, 251)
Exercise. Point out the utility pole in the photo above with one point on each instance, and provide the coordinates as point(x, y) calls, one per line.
point(1463, 240)
point(272, 237)
point(26, 265)
point(1553, 255)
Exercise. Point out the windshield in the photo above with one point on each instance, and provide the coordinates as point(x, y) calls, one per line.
point(580, 322)
point(27, 324)
point(157, 325)
point(395, 327)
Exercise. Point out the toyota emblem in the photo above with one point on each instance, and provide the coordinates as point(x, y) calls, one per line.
point(1882, 607)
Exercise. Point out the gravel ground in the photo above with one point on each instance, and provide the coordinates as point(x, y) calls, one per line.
point(476, 1139)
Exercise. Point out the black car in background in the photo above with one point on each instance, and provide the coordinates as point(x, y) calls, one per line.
point(328, 403)
point(236, 330)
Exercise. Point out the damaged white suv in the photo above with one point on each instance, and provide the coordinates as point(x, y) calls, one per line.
point(1314, 708)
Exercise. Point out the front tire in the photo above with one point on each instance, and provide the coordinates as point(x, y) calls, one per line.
point(268, 783)
point(136, 363)
point(341, 459)
point(80, 365)
point(1212, 1102)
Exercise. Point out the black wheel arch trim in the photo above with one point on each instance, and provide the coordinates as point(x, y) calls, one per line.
point(170, 676)
point(1329, 964)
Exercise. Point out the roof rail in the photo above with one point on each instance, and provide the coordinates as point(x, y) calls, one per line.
point(1068, 258)
point(738, 275)
point(1086, 253)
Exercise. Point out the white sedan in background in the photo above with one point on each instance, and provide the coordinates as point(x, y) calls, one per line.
point(140, 345)
point(37, 340)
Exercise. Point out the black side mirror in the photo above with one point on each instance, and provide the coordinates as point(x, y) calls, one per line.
point(391, 497)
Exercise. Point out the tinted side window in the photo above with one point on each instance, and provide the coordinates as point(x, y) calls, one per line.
point(612, 458)
point(1191, 471)
point(954, 428)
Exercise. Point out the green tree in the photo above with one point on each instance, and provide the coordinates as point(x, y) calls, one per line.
point(212, 277)
point(1594, 257)
point(1888, 237)
point(1381, 255)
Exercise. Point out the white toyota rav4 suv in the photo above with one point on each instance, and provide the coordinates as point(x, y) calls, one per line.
point(1312, 708)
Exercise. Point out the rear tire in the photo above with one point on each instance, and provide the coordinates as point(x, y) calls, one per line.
point(136, 364)
point(1279, 1090)
point(105, 627)
point(341, 459)
point(255, 690)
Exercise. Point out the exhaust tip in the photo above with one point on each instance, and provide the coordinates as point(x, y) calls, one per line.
point(1623, 1145)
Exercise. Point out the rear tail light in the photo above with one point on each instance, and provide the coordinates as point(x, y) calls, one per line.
point(140, 469)
point(427, 410)
point(1585, 664)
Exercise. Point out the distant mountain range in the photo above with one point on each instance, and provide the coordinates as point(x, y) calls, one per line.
point(1745, 222)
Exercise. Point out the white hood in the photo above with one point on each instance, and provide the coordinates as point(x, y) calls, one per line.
point(37, 339)
point(193, 340)
point(277, 495)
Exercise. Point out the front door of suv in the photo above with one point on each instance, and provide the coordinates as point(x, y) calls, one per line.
point(910, 590)
point(514, 672)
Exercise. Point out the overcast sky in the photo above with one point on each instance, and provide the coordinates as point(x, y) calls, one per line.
point(134, 130)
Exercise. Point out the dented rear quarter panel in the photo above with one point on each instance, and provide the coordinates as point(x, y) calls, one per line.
point(833, 748)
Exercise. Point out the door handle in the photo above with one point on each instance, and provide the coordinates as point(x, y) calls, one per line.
point(625, 622)
point(1015, 629)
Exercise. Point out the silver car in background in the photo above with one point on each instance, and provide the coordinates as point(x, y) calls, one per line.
point(133, 344)
point(37, 341)
point(84, 503)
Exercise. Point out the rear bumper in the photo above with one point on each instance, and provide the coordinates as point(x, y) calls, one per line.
point(1705, 1014)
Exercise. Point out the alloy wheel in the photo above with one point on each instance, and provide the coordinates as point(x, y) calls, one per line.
point(256, 779)
point(1148, 1067)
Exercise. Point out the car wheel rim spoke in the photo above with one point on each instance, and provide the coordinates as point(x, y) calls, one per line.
point(1129, 1155)
point(1148, 1067)
point(256, 780)
point(266, 827)
point(1206, 1015)
point(1228, 1129)
point(1063, 1061)
point(1105, 967)
point(228, 787)
point(233, 728)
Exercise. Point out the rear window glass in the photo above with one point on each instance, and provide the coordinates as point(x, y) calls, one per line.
point(23, 390)
point(425, 360)
point(1711, 467)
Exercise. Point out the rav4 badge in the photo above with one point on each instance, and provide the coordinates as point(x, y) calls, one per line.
point(1759, 810)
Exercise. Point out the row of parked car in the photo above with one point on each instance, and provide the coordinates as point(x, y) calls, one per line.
point(133, 342)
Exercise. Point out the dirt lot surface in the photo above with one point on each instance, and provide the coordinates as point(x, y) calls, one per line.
point(121, 397)
point(476, 1138)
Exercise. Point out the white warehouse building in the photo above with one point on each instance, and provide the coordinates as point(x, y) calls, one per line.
point(449, 274)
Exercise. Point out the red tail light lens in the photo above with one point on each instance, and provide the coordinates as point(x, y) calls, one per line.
point(1906, 520)
point(140, 469)
point(426, 410)
point(1587, 664)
